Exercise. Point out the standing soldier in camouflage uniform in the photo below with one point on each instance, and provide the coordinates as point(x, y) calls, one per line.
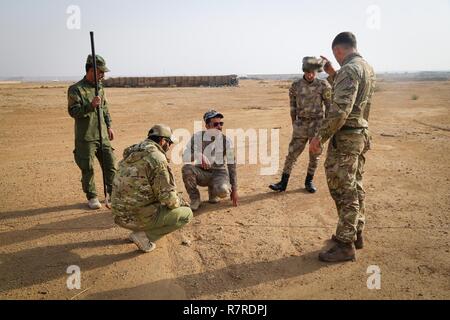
point(145, 198)
point(214, 163)
point(308, 98)
point(83, 108)
point(347, 126)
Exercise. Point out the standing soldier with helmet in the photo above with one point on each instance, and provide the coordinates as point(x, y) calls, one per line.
point(310, 99)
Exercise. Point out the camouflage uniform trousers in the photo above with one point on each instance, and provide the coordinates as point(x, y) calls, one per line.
point(344, 168)
point(156, 220)
point(217, 181)
point(303, 131)
point(84, 157)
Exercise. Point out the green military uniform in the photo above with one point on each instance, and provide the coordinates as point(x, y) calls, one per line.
point(144, 194)
point(87, 139)
point(347, 126)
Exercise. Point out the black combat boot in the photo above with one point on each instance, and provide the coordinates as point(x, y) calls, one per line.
point(359, 242)
point(281, 186)
point(309, 186)
point(340, 252)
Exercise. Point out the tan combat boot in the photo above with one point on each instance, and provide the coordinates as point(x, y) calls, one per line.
point(340, 252)
point(359, 242)
point(195, 204)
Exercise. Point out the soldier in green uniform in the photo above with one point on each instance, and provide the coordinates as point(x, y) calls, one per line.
point(347, 126)
point(309, 99)
point(82, 106)
point(145, 198)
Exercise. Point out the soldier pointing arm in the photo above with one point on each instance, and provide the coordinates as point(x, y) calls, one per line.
point(346, 125)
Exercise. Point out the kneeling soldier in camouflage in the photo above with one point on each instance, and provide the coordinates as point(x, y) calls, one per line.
point(210, 162)
point(308, 97)
point(144, 198)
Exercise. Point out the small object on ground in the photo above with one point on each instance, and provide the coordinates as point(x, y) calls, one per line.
point(80, 293)
point(186, 242)
point(388, 135)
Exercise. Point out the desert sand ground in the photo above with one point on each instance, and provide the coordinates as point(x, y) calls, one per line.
point(264, 249)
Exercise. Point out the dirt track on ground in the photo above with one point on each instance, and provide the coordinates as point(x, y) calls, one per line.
point(264, 249)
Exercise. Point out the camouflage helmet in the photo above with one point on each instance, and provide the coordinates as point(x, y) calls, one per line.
point(310, 64)
point(161, 130)
point(101, 64)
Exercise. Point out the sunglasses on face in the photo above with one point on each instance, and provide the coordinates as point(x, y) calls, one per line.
point(216, 124)
point(168, 141)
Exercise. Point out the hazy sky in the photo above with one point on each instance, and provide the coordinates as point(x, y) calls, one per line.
point(194, 37)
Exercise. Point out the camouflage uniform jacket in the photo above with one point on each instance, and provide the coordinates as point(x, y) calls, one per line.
point(353, 87)
point(307, 100)
point(144, 181)
point(201, 142)
point(79, 97)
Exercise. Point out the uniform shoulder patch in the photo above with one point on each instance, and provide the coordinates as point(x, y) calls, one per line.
point(346, 78)
point(327, 93)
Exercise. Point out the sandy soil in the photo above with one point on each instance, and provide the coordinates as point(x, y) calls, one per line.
point(264, 249)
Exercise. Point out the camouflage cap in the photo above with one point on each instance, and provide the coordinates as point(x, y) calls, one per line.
point(212, 114)
point(161, 130)
point(312, 64)
point(101, 64)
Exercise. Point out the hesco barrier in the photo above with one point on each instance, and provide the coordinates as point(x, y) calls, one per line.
point(197, 81)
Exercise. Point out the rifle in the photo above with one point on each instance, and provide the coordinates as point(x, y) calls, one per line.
point(99, 116)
